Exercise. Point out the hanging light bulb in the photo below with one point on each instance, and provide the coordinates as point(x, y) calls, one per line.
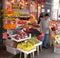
point(42, 6)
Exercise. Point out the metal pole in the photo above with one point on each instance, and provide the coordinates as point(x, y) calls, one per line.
point(1, 26)
point(37, 12)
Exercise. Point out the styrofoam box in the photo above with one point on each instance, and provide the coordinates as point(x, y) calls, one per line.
point(57, 50)
point(11, 50)
point(58, 31)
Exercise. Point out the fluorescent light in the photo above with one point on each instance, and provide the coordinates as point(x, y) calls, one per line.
point(48, 10)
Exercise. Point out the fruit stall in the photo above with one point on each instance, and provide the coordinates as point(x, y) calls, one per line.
point(55, 33)
point(20, 22)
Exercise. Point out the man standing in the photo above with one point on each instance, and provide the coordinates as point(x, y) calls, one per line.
point(45, 29)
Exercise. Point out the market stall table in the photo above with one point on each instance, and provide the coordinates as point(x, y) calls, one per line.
point(32, 51)
point(26, 53)
point(37, 47)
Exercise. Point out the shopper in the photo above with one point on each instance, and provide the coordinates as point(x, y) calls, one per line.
point(44, 27)
point(41, 18)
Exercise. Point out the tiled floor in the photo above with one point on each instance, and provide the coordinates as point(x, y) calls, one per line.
point(46, 53)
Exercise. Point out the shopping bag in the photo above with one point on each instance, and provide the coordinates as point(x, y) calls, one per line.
point(5, 35)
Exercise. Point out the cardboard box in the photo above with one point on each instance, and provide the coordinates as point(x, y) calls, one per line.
point(11, 50)
point(10, 43)
point(57, 49)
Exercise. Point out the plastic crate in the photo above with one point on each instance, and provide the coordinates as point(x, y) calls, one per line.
point(11, 50)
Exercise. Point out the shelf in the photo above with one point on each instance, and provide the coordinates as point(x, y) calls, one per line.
point(21, 17)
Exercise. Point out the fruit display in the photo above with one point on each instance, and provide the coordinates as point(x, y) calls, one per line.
point(26, 46)
point(8, 13)
point(33, 40)
point(6, 19)
point(4, 10)
point(54, 28)
point(57, 39)
point(20, 35)
point(9, 26)
point(22, 22)
point(52, 22)
point(16, 14)
point(36, 25)
point(9, 23)
point(15, 6)
point(32, 20)
point(28, 26)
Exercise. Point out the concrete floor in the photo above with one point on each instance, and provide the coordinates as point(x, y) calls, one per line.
point(46, 53)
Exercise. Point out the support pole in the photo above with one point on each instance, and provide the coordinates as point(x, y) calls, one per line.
point(1, 25)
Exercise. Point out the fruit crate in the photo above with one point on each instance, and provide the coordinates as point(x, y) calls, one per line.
point(11, 50)
point(20, 40)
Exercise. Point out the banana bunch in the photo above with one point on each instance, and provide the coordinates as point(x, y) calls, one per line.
point(27, 46)
point(12, 19)
point(4, 10)
point(7, 15)
point(16, 14)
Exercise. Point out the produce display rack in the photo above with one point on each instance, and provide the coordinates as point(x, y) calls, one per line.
point(21, 50)
point(32, 51)
point(21, 17)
